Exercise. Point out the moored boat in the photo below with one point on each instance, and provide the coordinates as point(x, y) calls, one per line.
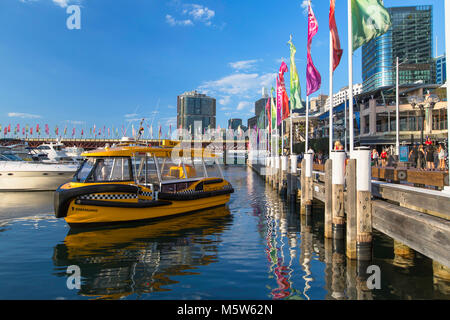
point(133, 182)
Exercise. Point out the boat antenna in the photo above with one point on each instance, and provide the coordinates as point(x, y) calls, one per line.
point(141, 129)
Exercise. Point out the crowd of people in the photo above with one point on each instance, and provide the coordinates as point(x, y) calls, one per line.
point(431, 156)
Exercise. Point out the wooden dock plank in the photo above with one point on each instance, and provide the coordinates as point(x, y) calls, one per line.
point(426, 234)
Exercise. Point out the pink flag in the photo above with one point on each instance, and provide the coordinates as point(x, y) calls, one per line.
point(313, 79)
point(284, 97)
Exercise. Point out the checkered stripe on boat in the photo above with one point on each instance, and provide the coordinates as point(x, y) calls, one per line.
point(145, 193)
point(109, 196)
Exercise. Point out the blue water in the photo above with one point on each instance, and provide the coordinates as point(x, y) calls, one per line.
point(257, 247)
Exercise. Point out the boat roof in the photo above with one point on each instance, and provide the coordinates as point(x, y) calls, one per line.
point(166, 152)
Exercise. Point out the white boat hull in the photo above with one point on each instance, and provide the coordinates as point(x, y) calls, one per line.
point(23, 176)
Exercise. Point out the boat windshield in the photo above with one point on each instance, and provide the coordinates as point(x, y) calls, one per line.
point(107, 169)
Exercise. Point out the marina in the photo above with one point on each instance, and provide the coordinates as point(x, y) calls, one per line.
point(262, 250)
point(193, 151)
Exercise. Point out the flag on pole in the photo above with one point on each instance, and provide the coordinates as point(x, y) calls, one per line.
point(279, 98)
point(313, 79)
point(284, 96)
point(269, 118)
point(296, 101)
point(370, 19)
point(337, 51)
point(273, 111)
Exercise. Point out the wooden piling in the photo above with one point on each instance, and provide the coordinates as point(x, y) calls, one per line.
point(328, 200)
point(303, 189)
point(364, 225)
point(350, 208)
point(338, 211)
point(363, 205)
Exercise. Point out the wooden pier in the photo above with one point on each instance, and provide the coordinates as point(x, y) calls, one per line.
point(405, 204)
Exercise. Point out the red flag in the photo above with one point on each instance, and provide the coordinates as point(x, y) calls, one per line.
point(284, 96)
point(337, 51)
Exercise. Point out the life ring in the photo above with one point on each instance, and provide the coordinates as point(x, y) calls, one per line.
point(401, 175)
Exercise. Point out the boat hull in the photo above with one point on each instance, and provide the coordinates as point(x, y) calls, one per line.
point(33, 181)
point(93, 215)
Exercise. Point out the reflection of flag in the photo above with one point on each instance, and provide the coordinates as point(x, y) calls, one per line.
point(337, 51)
point(313, 79)
point(370, 19)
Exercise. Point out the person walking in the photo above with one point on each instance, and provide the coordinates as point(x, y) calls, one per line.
point(430, 157)
point(421, 158)
point(441, 156)
point(375, 157)
point(383, 157)
point(413, 154)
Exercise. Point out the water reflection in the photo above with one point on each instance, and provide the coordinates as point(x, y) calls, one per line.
point(24, 204)
point(142, 259)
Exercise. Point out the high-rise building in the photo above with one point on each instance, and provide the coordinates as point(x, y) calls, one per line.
point(441, 70)
point(409, 39)
point(193, 106)
point(260, 105)
point(234, 123)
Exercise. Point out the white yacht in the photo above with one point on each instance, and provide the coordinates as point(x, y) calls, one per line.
point(52, 153)
point(19, 175)
point(74, 153)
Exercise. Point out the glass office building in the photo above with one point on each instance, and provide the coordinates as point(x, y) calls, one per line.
point(193, 106)
point(441, 70)
point(409, 39)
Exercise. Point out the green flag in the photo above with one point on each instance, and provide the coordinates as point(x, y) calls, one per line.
point(370, 19)
point(296, 102)
point(273, 107)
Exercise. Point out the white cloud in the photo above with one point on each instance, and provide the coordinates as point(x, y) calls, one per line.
point(61, 3)
point(23, 115)
point(243, 105)
point(195, 12)
point(243, 65)
point(199, 12)
point(131, 115)
point(304, 6)
point(242, 84)
point(75, 122)
point(224, 100)
point(173, 22)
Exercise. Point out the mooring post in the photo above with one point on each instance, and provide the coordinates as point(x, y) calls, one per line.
point(277, 173)
point(303, 188)
point(267, 171)
point(364, 204)
point(284, 171)
point(308, 180)
point(441, 278)
point(338, 175)
point(293, 177)
point(328, 221)
point(403, 255)
point(350, 208)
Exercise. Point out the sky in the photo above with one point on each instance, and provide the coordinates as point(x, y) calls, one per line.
point(130, 59)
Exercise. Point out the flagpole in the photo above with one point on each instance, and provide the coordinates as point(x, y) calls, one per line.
point(330, 109)
point(447, 54)
point(282, 136)
point(350, 75)
point(307, 124)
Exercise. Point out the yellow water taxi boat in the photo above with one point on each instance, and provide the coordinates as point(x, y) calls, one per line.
point(133, 182)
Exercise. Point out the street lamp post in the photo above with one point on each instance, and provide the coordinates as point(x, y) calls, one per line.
point(425, 104)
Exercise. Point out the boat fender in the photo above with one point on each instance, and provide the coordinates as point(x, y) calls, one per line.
point(63, 197)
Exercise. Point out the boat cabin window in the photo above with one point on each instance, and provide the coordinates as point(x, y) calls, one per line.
point(194, 167)
point(105, 170)
point(213, 168)
point(84, 171)
point(171, 170)
point(145, 169)
point(43, 148)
